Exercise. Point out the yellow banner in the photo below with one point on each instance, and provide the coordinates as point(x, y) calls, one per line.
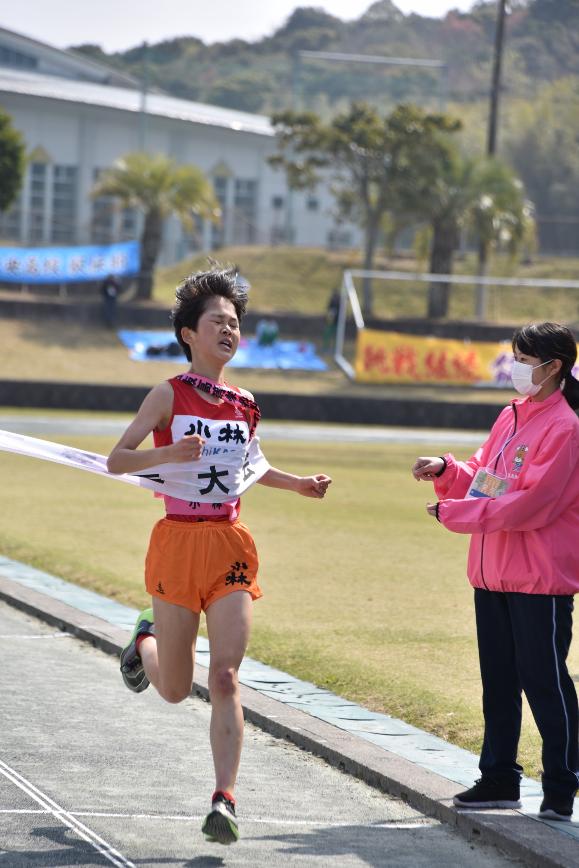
point(392, 357)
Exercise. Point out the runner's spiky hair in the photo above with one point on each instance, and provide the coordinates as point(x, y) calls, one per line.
point(193, 294)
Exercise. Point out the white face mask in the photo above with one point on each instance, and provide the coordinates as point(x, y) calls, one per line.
point(522, 377)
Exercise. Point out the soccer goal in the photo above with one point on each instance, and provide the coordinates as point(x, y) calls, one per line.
point(495, 299)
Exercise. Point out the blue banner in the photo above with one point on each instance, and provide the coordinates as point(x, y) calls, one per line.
point(68, 264)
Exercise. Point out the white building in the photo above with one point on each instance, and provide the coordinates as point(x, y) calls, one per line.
point(77, 117)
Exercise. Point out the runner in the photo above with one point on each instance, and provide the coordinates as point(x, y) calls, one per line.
point(201, 557)
point(519, 498)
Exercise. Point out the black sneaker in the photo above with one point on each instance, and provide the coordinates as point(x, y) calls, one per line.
point(131, 664)
point(488, 793)
point(220, 824)
point(555, 807)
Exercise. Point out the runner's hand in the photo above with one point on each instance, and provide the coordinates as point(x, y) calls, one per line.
point(189, 448)
point(313, 486)
point(427, 468)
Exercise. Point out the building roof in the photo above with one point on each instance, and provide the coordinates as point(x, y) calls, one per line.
point(125, 99)
point(48, 59)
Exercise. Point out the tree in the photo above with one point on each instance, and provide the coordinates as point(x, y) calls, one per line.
point(158, 187)
point(12, 161)
point(499, 215)
point(366, 157)
point(482, 196)
point(541, 142)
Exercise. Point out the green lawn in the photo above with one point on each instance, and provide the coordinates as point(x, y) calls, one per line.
point(301, 280)
point(364, 594)
point(67, 352)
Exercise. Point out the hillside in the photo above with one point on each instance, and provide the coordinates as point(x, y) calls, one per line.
point(542, 45)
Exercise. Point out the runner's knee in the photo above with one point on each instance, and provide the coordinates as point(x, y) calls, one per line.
point(223, 681)
point(174, 695)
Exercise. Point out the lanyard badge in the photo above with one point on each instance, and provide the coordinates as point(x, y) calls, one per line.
point(486, 483)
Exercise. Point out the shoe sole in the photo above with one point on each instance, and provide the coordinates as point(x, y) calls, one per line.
point(218, 829)
point(553, 815)
point(136, 685)
point(132, 684)
point(502, 803)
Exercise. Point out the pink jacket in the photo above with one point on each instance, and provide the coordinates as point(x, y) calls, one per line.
point(527, 539)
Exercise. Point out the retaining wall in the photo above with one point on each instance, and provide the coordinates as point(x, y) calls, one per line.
point(278, 406)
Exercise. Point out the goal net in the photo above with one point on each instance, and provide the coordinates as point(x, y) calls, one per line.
point(398, 295)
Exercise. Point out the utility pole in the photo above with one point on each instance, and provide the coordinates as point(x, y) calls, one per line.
point(492, 140)
point(496, 79)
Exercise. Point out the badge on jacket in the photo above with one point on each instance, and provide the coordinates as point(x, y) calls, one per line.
point(487, 484)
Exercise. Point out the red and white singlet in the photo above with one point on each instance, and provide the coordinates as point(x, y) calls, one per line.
point(222, 426)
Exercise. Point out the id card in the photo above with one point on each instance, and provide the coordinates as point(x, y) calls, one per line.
point(487, 484)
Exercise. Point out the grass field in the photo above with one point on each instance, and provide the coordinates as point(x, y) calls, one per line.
point(67, 352)
point(364, 594)
point(301, 280)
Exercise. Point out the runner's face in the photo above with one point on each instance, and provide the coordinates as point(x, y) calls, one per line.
point(216, 337)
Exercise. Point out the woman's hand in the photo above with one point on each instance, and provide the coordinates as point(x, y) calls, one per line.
point(427, 468)
point(313, 486)
point(189, 448)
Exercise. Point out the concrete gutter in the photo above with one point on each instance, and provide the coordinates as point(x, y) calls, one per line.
point(536, 843)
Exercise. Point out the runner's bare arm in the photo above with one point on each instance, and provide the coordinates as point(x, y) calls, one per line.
point(308, 486)
point(154, 412)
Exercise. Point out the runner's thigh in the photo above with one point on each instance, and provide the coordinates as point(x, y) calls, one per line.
point(176, 633)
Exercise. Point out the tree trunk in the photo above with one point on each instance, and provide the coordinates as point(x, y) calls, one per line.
point(444, 243)
point(150, 246)
point(370, 240)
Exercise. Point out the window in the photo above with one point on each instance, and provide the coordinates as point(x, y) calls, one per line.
point(37, 209)
point(245, 211)
point(10, 57)
point(277, 203)
point(218, 229)
point(102, 217)
point(339, 239)
point(191, 239)
point(129, 224)
point(312, 204)
point(64, 184)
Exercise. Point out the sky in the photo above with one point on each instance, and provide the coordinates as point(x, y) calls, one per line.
point(116, 25)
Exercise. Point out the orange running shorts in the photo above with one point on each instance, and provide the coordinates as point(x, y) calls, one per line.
point(192, 564)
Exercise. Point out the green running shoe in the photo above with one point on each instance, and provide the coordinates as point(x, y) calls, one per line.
point(132, 668)
point(220, 824)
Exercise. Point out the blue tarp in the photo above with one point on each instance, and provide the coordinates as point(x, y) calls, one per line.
point(68, 264)
point(285, 355)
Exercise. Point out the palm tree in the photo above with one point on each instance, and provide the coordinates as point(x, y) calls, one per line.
point(482, 196)
point(159, 187)
point(499, 215)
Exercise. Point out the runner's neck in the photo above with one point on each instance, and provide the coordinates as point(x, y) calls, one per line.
point(210, 372)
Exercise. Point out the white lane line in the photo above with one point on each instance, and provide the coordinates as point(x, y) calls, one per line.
point(65, 817)
point(266, 821)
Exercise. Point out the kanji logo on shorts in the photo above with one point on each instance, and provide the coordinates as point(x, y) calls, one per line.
point(237, 576)
point(160, 589)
